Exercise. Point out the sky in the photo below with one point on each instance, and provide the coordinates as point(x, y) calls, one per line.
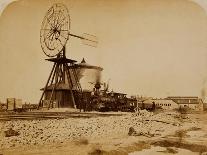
point(149, 48)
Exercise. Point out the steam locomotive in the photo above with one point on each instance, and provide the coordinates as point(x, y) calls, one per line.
point(103, 101)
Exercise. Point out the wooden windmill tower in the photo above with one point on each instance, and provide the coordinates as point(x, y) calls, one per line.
point(62, 86)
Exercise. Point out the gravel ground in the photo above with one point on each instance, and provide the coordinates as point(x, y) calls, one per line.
point(39, 132)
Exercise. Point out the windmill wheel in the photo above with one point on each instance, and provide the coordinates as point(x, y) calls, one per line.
point(55, 28)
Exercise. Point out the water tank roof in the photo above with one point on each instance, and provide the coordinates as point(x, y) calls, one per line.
point(83, 64)
point(83, 61)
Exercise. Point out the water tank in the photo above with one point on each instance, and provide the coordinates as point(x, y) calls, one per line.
point(88, 75)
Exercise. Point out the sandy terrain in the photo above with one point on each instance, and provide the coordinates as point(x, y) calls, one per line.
point(104, 135)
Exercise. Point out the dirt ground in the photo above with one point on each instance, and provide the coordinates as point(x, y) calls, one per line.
point(186, 142)
point(193, 139)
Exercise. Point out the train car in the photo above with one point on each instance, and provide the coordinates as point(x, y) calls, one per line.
point(150, 106)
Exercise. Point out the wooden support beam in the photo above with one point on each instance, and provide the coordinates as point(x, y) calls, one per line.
point(54, 65)
point(70, 86)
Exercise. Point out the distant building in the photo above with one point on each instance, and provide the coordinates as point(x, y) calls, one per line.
point(174, 102)
point(191, 102)
point(166, 104)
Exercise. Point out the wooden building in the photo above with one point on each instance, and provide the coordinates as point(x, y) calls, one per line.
point(191, 102)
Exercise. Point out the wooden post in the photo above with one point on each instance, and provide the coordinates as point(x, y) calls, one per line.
point(54, 65)
point(70, 86)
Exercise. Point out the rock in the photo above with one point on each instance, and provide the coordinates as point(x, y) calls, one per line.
point(11, 132)
point(131, 131)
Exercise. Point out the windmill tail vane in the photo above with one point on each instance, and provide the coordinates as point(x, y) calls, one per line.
point(87, 39)
point(90, 40)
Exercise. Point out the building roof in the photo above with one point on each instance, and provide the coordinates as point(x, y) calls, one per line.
point(186, 99)
point(160, 101)
point(183, 97)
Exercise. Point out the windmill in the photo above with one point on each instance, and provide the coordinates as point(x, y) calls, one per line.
point(54, 35)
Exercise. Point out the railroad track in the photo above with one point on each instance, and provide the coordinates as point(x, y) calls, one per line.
point(5, 116)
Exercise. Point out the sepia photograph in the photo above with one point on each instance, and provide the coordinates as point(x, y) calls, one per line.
point(103, 77)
